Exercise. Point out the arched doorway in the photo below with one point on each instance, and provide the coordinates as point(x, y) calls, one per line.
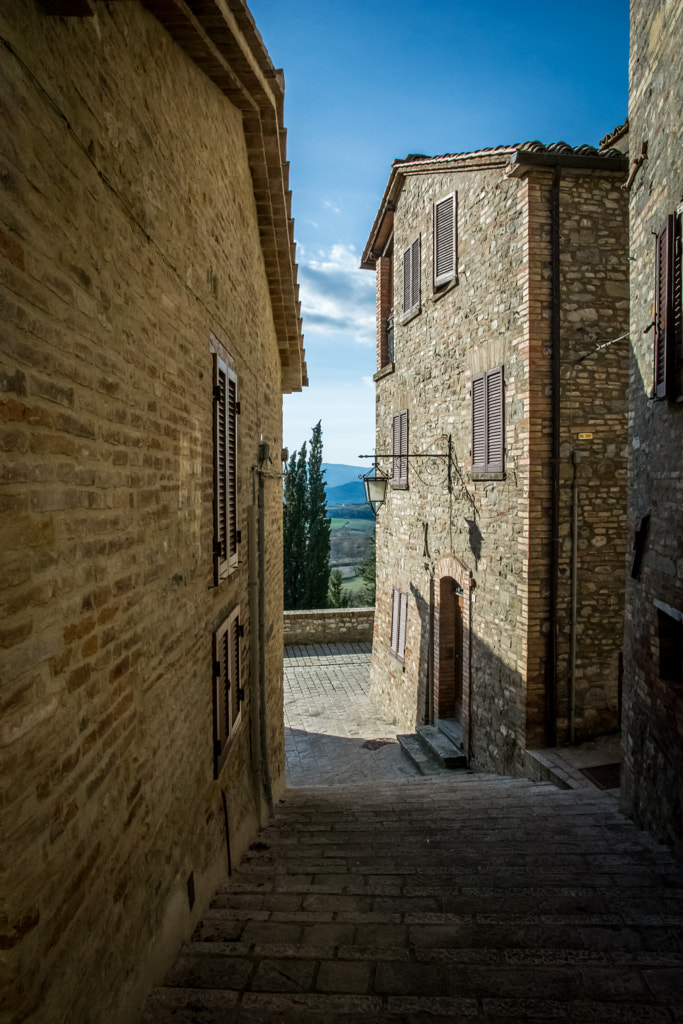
point(448, 694)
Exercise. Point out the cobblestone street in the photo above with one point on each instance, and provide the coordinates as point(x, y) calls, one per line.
point(334, 733)
point(455, 897)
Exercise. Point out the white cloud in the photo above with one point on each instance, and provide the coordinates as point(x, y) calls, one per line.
point(332, 204)
point(369, 383)
point(336, 296)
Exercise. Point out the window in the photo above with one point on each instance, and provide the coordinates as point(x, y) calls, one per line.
point(445, 240)
point(667, 338)
point(487, 422)
point(226, 409)
point(411, 278)
point(399, 449)
point(399, 614)
point(227, 691)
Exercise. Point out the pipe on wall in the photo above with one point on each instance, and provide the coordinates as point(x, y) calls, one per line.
point(265, 762)
point(574, 599)
point(255, 657)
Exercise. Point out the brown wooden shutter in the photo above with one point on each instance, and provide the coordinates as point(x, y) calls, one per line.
point(227, 691)
point(407, 280)
point(415, 271)
point(402, 620)
point(488, 422)
point(445, 236)
point(395, 606)
point(399, 448)
point(664, 348)
point(494, 420)
point(411, 277)
point(226, 536)
point(479, 422)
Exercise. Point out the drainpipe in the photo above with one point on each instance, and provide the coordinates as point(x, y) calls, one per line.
point(575, 586)
point(430, 655)
point(255, 658)
point(265, 763)
point(551, 650)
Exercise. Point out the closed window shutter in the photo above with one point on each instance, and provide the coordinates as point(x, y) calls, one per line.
point(479, 422)
point(445, 237)
point(402, 617)
point(664, 321)
point(407, 280)
point(399, 448)
point(494, 420)
point(488, 422)
point(232, 472)
point(395, 604)
point(227, 692)
point(226, 536)
point(411, 277)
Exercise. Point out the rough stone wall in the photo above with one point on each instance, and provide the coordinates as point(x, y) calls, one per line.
point(498, 528)
point(594, 310)
point(652, 721)
point(129, 237)
point(329, 626)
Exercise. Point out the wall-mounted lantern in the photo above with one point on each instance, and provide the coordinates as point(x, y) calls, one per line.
point(375, 481)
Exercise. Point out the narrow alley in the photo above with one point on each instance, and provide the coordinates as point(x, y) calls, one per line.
point(379, 894)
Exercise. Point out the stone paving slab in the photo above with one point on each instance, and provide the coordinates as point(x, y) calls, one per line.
point(329, 719)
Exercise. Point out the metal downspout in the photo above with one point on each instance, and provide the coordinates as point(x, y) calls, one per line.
point(255, 659)
point(265, 763)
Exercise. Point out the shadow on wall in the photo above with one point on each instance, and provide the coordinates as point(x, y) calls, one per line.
point(422, 706)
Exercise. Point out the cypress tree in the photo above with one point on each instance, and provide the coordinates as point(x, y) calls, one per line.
point(294, 531)
point(318, 547)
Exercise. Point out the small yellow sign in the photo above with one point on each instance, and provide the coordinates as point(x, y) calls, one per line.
point(585, 437)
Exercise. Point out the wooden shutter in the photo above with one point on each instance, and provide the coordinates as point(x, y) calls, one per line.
point(411, 277)
point(399, 448)
point(395, 613)
point(479, 422)
point(227, 689)
point(226, 536)
point(494, 420)
point(488, 419)
point(664, 348)
point(402, 619)
point(445, 238)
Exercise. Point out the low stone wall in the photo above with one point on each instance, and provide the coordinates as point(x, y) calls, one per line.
point(329, 626)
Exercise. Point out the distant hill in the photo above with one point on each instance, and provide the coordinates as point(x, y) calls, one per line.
point(336, 474)
point(352, 492)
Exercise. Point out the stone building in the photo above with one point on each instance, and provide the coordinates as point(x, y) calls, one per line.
point(652, 790)
point(150, 325)
point(502, 279)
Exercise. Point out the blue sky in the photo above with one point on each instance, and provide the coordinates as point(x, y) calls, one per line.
point(366, 82)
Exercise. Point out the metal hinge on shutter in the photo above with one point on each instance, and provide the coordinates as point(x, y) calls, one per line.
point(238, 536)
point(217, 393)
point(238, 408)
point(240, 694)
point(216, 668)
point(240, 629)
point(218, 548)
point(217, 748)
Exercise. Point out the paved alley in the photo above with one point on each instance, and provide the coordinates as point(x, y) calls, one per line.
point(455, 897)
point(334, 734)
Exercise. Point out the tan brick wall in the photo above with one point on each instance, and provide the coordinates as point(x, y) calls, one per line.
point(329, 626)
point(499, 530)
point(129, 237)
point(653, 727)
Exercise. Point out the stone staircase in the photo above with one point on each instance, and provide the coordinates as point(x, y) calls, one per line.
point(458, 897)
point(431, 748)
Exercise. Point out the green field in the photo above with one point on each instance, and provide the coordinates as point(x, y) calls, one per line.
point(366, 526)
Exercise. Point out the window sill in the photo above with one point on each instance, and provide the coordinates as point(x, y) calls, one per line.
point(411, 316)
point(397, 657)
point(486, 476)
point(398, 487)
point(440, 290)
point(384, 371)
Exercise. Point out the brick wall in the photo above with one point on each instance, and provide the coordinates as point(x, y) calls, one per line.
point(653, 726)
point(129, 240)
point(329, 626)
point(495, 531)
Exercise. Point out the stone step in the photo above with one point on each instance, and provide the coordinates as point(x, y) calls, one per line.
point(425, 762)
point(442, 746)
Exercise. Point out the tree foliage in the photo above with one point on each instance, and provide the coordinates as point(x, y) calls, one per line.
point(368, 574)
point(336, 597)
point(306, 529)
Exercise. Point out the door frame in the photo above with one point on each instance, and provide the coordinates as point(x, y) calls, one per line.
point(449, 565)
